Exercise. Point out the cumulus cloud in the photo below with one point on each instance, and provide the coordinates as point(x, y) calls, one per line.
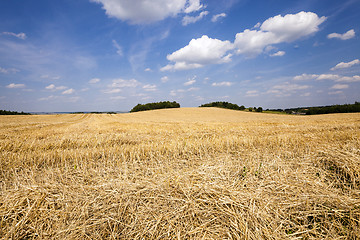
point(278, 54)
point(147, 70)
point(164, 79)
point(340, 86)
point(69, 91)
point(94, 80)
point(346, 64)
point(348, 35)
point(252, 93)
point(216, 17)
point(193, 6)
point(305, 77)
point(355, 78)
point(222, 84)
point(276, 30)
point(53, 87)
point(14, 85)
point(190, 81)
point(200, 52)
point(144, 11)
point(121, 83)
point(205, 50)
point(332, 77)
point(149, 87)
point(18, 35)
point(189, 19)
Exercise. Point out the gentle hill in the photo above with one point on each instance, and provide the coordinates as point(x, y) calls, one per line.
point(204, 114)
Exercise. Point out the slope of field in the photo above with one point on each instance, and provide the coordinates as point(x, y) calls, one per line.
point(189, 173)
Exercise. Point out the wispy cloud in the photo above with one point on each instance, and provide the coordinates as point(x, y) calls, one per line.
point(189, 19)
point(8, 70)
point(119, 50)
point(190, 81)
point(69, 91)
point(216, 17)
point(18, 35)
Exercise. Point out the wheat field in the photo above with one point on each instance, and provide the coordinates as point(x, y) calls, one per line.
point(189, 173)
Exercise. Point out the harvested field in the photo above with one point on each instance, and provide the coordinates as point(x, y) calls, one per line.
point(189, 173)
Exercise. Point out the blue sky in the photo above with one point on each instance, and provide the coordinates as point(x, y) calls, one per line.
point(109, 55)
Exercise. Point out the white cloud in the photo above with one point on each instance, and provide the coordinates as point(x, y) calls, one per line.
point(216, 17)
point(189, 19)
point(340, 86)
point(193, 6)
point(348, 35)
point(145, 11)
point(355, 78)
point(53, 87)
point(111, 91)
point(286, 89)
point(346, 65)
point(121, 83)
point(333, 77)
point(119, 50)
point(118, 98)
point(8, 70)
point(190, 81)
point(50, 87)
point(252, 93)
point(257, 25)
point(336, 92)
point(276, 30)
point(69, 91)
point(18, 35)
point(200, 52)
point(14, 85)
point(165, 79)
point(290, 87)
point(147, 70)
point(305, 94)
point(278, 54)
point(51, 97)
point(204, 51)
point(94, 80)
point(305, 77)
point(222, 84)
point(149, 87)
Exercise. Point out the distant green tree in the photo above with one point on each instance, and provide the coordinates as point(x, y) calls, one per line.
point(156, 105)
point(223, 105)
point(345, 108)
point(5, 112)
point(250, 109)
point(259, 109)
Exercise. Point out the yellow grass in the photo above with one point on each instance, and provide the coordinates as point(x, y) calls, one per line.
point(190, 173)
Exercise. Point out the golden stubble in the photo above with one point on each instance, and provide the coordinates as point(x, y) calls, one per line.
point(189, 173)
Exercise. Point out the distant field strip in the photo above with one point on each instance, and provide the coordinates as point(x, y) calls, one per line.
point(189, 173)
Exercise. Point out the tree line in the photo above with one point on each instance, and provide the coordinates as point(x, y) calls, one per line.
point(155, 105)
point(5, 112)
point(345, 108)
point(232, 106)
